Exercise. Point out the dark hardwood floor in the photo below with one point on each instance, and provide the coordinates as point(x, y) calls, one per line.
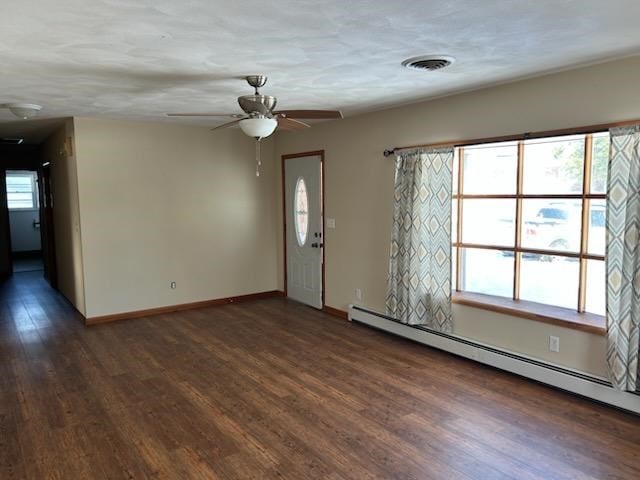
point(272, 389)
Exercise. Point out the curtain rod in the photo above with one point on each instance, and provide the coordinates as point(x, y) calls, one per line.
point(522, 136)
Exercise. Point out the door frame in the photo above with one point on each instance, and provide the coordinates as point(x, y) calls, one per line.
point(6, 261)
point(47, 235)
point(23, 157)
point(284, 158)
point(45, 200)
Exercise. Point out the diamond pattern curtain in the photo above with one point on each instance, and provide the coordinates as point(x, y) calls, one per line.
point(419, 290)
point(623, 258)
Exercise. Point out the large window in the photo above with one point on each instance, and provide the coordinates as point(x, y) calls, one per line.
point(22, 190)
point(529, 220)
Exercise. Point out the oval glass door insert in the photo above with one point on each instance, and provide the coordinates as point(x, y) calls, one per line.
point(301, 211)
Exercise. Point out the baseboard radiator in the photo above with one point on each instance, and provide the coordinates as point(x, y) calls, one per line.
point(595, 388)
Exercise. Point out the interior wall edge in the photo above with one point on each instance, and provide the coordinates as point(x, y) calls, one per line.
point(71, 132)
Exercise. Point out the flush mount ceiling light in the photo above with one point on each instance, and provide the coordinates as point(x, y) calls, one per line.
point(22, 110)
point(429, 62)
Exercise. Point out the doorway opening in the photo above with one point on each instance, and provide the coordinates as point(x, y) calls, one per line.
point(26, 217)
point(28, 153)
point(23, 204)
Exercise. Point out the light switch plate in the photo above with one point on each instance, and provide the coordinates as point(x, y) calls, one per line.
point(331, 223)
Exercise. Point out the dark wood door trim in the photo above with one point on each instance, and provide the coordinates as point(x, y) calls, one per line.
point(6, 262)
point(313, 153)
point(47, 236)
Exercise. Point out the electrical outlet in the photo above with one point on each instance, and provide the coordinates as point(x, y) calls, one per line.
point(554, 344)
point(173, 285)
point(358, 294)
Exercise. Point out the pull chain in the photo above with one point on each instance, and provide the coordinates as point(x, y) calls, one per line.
point(258, 161)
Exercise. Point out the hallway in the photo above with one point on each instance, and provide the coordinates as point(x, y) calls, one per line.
point(28, 264)
point(28, 302)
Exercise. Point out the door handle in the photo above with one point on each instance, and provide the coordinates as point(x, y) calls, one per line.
point(36, 224)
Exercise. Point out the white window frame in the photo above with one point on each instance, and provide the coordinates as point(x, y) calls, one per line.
point(34, 188)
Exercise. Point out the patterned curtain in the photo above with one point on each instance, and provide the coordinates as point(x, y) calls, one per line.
point(623, 258)
point(419, 291)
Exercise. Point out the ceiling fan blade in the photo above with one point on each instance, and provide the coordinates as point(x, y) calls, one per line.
point(291, 124)
point(311, 114)
point(235, 115)
point(226, 125)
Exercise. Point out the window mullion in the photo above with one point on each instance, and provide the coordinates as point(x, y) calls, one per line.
point(518, 223)
point(459, 226)
point(584, 230)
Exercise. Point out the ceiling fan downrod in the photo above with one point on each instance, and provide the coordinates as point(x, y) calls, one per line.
point(256, 81)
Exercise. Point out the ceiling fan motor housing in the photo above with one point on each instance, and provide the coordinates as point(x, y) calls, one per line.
point(257, 104)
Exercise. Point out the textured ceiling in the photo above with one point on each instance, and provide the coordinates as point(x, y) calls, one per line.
point(139, 59)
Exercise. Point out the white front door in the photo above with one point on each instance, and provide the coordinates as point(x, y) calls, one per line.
point(304, 235)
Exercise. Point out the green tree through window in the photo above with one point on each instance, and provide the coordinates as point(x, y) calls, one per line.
point(572, 169)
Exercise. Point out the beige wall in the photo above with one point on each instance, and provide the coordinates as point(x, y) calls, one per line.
point(359, 182)
point(162, 203)
point(66, 214)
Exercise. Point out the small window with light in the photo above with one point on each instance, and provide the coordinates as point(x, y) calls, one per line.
point(22, 190)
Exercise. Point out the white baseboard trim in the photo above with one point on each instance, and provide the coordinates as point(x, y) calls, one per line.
point(589, 386)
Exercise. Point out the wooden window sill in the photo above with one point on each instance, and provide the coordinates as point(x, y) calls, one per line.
point(563, 317)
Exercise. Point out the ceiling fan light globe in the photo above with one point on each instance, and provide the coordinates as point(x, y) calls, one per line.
point(258, 127)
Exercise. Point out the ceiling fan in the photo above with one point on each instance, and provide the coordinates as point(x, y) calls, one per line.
point(260, 119)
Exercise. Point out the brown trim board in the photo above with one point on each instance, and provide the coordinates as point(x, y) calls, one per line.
point(562, 317)
point(520, 136)
point(180, 307)
point(335, 312)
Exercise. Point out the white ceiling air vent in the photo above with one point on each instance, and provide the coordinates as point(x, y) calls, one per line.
point(428, 62)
